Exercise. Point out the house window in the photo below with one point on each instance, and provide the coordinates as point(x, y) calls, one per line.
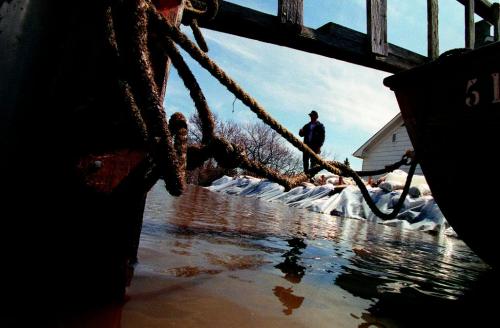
point(394, 137)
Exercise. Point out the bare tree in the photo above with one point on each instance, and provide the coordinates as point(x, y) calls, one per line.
point(210, 171)
point(261, 143)
point(230, 130)
point(266, 146)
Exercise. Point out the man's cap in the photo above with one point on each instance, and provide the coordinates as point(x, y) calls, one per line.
point(313, 113)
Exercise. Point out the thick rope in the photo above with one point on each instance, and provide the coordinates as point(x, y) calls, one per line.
point(135, 114)
point(205, 10)
point(124, 91)
point(198, 36)
point(141, 98)
point(153, 107)
point(206, 117)
point(230, 156)
point(149, 115)
point(111, 45)
point(221, 148)
point(197, 155)
point(179, 127)
point(181, 39)
point(405, 160)
point(332, 166)
point(196, 10)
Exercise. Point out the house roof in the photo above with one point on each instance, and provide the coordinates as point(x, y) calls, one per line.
point(391, 126)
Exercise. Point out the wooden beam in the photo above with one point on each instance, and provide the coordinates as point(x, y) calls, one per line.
point(331, 40)
point(291, 11)
point(377, 26)
point(469, 24)
point(482, 9)
point(482, 33)
point(432, 29)
point(171, 10)
point(496, 23)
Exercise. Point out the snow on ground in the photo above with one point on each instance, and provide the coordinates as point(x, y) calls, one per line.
point(419, 212)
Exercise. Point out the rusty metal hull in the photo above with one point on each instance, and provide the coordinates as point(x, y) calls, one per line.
point(451, 109)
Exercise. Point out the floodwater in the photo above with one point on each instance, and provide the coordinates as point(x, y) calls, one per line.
point(213, 260)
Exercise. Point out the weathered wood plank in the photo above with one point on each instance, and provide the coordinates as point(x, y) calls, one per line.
point(377, 26)
point(331, 40)
point(469, 24)
point(291, 11)
point(432, 29)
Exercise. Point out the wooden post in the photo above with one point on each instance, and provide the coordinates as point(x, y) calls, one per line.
point(377, 26)
point(432, 29)
point(291, 11)
point(171, 10)
point(469, 24)
point(482, 33)
point(496, 16)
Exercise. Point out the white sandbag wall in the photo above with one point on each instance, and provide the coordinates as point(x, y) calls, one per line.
point(419, 212)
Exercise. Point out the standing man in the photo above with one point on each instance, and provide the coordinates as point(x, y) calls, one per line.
point(314, 136)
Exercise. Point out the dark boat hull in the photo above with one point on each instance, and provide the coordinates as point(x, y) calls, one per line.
point(451, 109)
point(72, 172)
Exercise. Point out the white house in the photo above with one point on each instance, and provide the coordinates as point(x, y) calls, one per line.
point(385, 147)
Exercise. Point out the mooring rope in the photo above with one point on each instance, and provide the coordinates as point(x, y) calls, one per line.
point(406, 159)
point(173, 33)
point(124, 90)
point(201, 9)
point(139, 87)
point(174, 157)
point(204, 10)
point(219, 147)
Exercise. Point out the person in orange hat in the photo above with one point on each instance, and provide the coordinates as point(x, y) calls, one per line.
point(314, 136)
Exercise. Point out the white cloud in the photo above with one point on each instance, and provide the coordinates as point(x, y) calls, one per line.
point(227, 42)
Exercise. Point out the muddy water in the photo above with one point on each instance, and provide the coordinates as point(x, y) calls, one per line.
point(214, 260)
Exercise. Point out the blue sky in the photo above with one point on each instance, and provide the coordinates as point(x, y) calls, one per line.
point(351, 100)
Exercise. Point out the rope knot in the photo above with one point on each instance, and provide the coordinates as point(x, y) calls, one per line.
point(408, 157)
point(196, 156)
point(177, 123)
point(227, 155)
point(199, 9)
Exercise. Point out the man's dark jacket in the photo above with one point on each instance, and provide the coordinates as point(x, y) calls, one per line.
point(318, 135)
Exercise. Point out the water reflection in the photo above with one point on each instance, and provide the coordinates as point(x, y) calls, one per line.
point(286, 297)
point(202, 251)
point(396, 270)
point(293, 269)
point(291, 265)
point(413, 284)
